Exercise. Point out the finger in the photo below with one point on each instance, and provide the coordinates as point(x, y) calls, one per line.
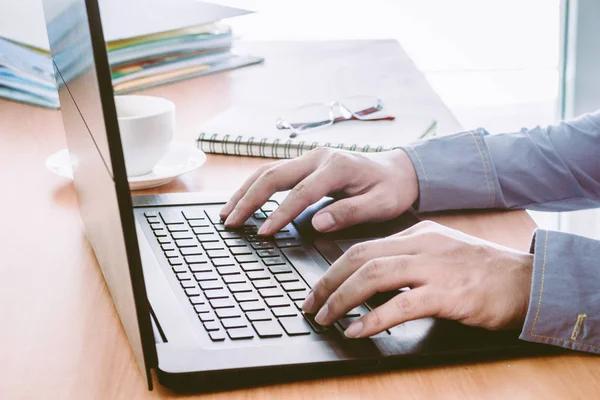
point(281, 176)
point(347, 212)
point(378, 275)
point(233, 200)
point(352, 260)
point(311, 189)
point(407, 306)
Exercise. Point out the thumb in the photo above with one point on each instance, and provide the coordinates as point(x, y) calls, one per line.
point(344, 213)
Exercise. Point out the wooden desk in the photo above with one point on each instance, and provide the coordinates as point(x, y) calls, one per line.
point(60, 337)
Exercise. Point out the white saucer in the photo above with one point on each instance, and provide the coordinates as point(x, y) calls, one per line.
point(180, 159)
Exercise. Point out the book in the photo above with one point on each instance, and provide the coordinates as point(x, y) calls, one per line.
point(248, 131)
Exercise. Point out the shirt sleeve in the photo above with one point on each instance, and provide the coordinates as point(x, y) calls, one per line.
point(556, 168)
point(565, 294)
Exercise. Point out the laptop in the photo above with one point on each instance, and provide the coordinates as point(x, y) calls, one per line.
point(206, 307)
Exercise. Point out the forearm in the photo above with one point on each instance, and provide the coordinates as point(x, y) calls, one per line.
point(564, 308)
point(555, 168)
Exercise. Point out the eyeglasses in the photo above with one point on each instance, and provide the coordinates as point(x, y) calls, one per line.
point(321, 115)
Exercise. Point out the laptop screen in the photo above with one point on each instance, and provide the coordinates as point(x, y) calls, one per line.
point(90, 121)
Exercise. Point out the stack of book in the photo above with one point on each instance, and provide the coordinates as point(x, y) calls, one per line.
point(148, 54)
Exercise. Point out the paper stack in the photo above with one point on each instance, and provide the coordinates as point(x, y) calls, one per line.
point(150, 42)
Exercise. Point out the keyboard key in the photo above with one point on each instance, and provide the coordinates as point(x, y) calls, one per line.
point(295, 326)
point(191, 251)
point(298, 304)
point(297, 296)
point(228, 270)
point(212, 326)
point(217, 336)
point(238, 251)
point(220, 227)
point(271, 292)
point(198, 223)
point(346, 321)
point(267, 329)
point(229, 279)
point(287, 243)
point(186, 243)
point(287, 277)
point(172, 217)
point(213, 246)
point(200, 259)
point(189, 284)
point(314, 324)
point(150, 214)
point(293, 286)
point(163, 240)
point(202, 308)
point(182, 235)
point(212, 237)
point(176, 261)
point(355, 312)
point(259, 316)
point(167, 246)
point(240, 288)
point(192, 292)
point(270, 206)
point(235, 322)
point(246, 258)
point(230, 235)
point(268, 253)
point(279, 269)
point(240, 333)
point(245, 296)
point(261, 245)
point(234, 242)
point(194, 214)
point(254, 237)
point(259, 215)
point(210, 285)
point(222, 262)
point(284, 236)
point(155, 226)
point(179, 268)
point(289, 311)
point(184, 276)
point(213, 215)
point(222, 303)
point(256, 275)
point(274, 261)
point(160, 233)
point(277, 302)
point(202, 230)
point(216, 294)
point(217, 253)
point(206, 317)
point(201, 267)
point(196, 300)
point(206, 276)
point(171, 253)
point(248, 306)
point(264, 284)
point(224, 313)
point(254, 266)
point(177, 228)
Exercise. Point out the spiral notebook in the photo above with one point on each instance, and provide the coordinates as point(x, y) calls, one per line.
point(248, 131)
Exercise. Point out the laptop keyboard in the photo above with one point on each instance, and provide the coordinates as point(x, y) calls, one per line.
point(239, 284)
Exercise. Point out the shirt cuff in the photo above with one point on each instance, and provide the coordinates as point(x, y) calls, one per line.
point(565, 293)
point(455, 172)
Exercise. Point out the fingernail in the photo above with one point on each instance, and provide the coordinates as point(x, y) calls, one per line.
point(323, 222)
point(322, 314)
point(265, 227)
point(231, 218)
point(354, 329)
point(309, 302)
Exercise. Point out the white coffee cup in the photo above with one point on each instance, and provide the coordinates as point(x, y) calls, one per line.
point(147, 126)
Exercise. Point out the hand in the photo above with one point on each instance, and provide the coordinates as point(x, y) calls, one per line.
point(451, 275)
point(373, 187)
